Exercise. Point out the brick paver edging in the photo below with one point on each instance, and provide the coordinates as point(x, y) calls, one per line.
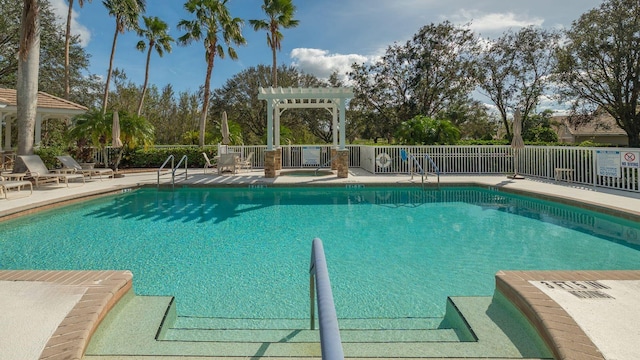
point(559, 331)
point(104, 289)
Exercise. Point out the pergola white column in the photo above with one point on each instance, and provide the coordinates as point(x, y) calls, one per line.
point(279, 99)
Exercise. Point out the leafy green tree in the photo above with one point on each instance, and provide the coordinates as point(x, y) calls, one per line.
point(67, 47)
point(426, 75)
point(213, 24)
point(156, 33)
point(28, 64)
point(538, 128)
point(514, 70)
point(600, 64)
point(86, 87)
point(126, 13)
point(472, 118)
point(423, 130)
point(279, 15)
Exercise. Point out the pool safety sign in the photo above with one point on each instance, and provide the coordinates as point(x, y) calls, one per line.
point(630, 159)
point(311, 155)
point(608, 163)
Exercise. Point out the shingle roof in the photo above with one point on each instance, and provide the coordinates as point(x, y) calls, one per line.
point(601, 124)
point(8, 97)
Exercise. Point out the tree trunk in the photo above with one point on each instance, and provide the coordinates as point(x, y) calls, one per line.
point(113, 53)
point(67, 44)
point(274, 69)
point(27, 84)
point(634, 140)
point(207, 92)
point(146, 79)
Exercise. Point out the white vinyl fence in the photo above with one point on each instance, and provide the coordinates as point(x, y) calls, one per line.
point(614, 168)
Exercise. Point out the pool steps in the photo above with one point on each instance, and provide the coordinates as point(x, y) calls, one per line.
point(141, 326)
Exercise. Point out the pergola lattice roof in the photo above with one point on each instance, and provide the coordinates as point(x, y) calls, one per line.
point(280, 99)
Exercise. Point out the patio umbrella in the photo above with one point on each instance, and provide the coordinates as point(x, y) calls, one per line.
point(517, 143)
point(115, 141)
point(224, 128)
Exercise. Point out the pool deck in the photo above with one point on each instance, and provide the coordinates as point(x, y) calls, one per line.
point(560, 304)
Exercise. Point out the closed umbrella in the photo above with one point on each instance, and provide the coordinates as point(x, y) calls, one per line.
point(115, 141)
point(517, 143)
point(224, 128)
point(115, 131)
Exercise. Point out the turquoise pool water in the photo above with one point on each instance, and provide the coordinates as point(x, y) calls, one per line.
point(391, 252)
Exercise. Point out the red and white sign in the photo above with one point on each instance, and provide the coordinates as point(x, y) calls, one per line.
point(630, 159)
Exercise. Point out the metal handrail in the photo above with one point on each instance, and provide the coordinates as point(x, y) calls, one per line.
point(406, 156)
point(172, 158)
point(330, 342)
point(173, 172)
point(433, 164)
point(323, 165)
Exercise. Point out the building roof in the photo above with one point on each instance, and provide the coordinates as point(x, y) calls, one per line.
point(601, 124)
point(9, 98)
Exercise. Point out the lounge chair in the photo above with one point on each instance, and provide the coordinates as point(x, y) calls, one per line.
point(37, 170)
point(5, 185)
point(207, 162)
point(228, 162)
point(70, 163)
point(246, 163)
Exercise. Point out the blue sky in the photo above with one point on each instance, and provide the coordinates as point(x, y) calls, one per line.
point(332, 33)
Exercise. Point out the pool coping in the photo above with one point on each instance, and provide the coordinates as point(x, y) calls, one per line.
point(103, 290)
point(513, 284)
point(564, 337)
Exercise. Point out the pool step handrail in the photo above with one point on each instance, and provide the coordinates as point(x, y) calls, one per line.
point(174, 168)
point(320, 289)
point(170, 157)
point(321, 166)
point(412, 160)
point(173, 171)
point(434, 166)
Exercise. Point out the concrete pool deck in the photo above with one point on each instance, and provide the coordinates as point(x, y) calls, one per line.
point(562, 320)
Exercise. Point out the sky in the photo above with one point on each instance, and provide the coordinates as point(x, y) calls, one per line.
point(331, 35)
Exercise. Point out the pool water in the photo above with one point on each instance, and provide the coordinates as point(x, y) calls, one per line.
point(391, 252)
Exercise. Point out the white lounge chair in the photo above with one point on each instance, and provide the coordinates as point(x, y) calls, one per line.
point(246, 163)
point(37, 170)
point(207, 162)
point(5, 185)
point(70, 163)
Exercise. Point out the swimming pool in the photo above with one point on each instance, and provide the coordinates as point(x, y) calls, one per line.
point(391, 252)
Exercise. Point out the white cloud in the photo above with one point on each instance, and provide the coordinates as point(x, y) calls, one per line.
point(60, 9)
point(481, 21)
point(322, 63)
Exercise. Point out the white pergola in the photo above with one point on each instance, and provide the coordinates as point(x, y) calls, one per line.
point(280, 99)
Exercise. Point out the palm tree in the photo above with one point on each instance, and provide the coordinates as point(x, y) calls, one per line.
point(126, 13)
point(155, 32)
point(27, 86)
point(280, 14)
point(67, 44)
point(212, 21)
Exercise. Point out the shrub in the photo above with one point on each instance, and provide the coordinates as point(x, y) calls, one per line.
point(153, 158)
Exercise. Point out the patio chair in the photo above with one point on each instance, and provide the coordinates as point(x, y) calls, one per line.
point(228, 162)
point(5, 185)
point(246, 163)
point(70, 163)
point(37, 170)
point(207, 162)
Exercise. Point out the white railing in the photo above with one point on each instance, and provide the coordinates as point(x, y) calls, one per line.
point(449, 159)
point(533, 161)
